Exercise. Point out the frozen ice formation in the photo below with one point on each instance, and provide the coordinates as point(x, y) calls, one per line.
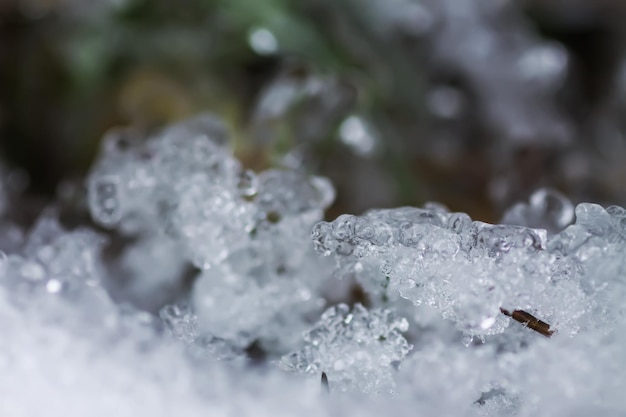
point(134, 182)
point(247, 232)
point(472, 271)
point(225, 256)
point(57, 262)
point(471, 38)
point(356, 349)
point(185, 182)
point(547, 209)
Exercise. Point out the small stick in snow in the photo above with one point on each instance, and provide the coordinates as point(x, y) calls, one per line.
point(530, 321)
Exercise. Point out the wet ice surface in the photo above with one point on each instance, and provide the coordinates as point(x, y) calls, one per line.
point(356, 348)
point(469, 270)
point(433, 341)
point(247, 233)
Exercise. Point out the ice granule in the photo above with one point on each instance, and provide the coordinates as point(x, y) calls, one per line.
point(240, 307)
point(138, 183)
point(356, 348)
point(247, 232)
point(469, 270)
point(182, 323)
point(471, 36)
point(547, 209)
point(186, 183)
point(56, 261)
point(181, 198)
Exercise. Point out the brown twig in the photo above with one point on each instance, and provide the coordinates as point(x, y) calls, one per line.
point(529, 321)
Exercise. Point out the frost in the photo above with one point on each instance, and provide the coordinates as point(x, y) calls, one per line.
point(471, 39)
point(547, 209)
point(188, 199)
point(356, 349)
point(472, 272)
point(209, 277)
point(57, 263)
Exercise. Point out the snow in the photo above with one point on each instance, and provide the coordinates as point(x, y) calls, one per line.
point(435, 339)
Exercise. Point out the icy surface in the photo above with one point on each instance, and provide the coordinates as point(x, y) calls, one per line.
point(469, 270)
point(189, 199)
point(547, 209)
point(453, 323)
point(58, 264)
point(356, 349)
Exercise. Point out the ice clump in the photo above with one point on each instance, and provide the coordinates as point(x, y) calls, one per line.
point(58, 263)
point(246, 232)
point(471, 38)
point(356, 348)
point(547, 209)
point(472, 272)
point(186, 210)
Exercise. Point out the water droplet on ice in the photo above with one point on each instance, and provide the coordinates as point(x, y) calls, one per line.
point(555, 206)
point(343, 227)
point(248, 184)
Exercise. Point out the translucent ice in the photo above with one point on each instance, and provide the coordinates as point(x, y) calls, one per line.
point(185, 182)
point(547, 209)
point(136, 183)
point(356, 348)
point(472, 38)
point(54, 260)
point(472, 293)
point(246, 231)
point(468, 270)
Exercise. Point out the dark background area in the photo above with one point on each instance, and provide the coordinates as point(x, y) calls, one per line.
point(447, 124)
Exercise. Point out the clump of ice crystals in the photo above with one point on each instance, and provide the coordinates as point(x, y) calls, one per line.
point(181, 198)
point(355, 348)
point(55, 261)
point(469, 270)
point(547, 209)
point(247, 232)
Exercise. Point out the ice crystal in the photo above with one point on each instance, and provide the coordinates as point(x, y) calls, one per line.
point(547, 209)
point(471, 37)
point(230, 252)
point(355, 348)
point(181, 321)
point(56, 261)
point(469, 270)
point(246, 231)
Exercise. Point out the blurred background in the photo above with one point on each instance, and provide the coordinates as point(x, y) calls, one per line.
point(474, 104)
